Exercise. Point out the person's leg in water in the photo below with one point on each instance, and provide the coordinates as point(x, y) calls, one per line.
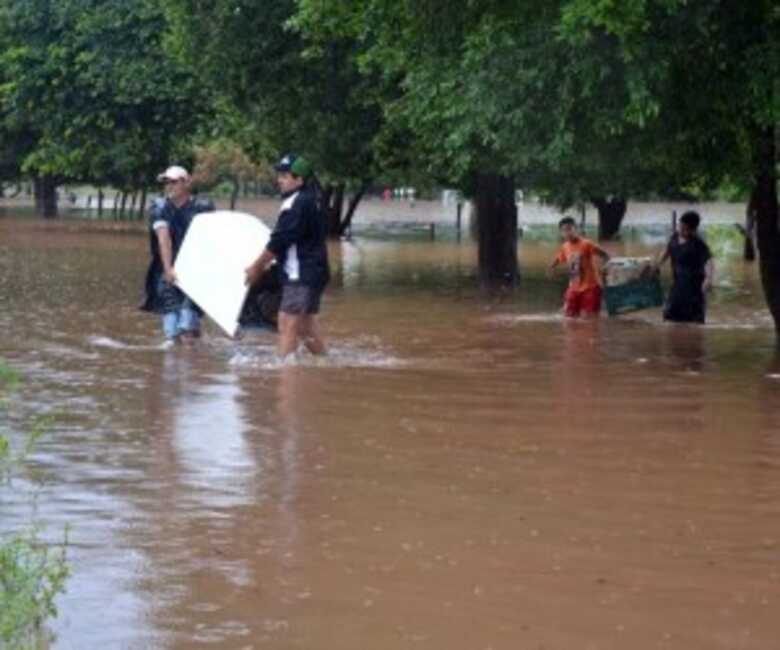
point(170, 325)
point(189, 322)
point(311, 334)
point(590, 301)
point(289, 325)
point(572, 303)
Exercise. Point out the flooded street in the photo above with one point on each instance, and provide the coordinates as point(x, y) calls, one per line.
point(461, 473)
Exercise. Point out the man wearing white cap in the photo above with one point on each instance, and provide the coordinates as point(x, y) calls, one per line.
point(169, 220)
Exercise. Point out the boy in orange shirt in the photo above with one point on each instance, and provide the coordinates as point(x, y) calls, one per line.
point(585, 285)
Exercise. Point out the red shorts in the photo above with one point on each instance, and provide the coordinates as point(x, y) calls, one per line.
point(586, 302)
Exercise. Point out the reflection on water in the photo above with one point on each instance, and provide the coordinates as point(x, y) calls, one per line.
point(206, 429)
point(461, 472)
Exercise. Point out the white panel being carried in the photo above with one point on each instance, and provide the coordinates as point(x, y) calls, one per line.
point(211, 262)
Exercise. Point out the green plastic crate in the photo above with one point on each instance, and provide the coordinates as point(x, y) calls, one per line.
point(634, 295)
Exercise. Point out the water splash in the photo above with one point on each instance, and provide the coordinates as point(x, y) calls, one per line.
point(114, 344)
point(340, 355)
point(549, 317)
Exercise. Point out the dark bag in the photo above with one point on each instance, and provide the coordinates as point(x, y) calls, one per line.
point(261, 307)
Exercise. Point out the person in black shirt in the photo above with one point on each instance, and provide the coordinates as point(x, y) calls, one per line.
point(298, 244)
point(169, 220)
point(692, 272)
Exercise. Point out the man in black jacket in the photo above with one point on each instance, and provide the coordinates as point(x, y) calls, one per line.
point(298, 244)
point(169, 220)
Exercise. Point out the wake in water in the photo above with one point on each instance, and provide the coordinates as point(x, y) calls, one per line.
point(340, 355)
point(113, 344)
point(754, 322)
point(261, 354)
point(549, 317)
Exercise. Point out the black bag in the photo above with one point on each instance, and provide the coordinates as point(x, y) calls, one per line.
point(261, 307)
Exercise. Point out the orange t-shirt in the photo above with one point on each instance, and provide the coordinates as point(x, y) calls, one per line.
point(579, 257)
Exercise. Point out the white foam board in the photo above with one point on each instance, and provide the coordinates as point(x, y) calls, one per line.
point(211, 262)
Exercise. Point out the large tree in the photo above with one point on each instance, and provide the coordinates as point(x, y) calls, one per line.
point(492, 97)
point(584, 99)
point(89, 86)
point(434, 106)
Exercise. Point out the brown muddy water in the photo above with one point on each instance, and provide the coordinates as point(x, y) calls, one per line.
point(461, 473)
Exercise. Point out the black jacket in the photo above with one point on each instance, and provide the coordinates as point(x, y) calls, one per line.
point(178, 221)
point(298, 240)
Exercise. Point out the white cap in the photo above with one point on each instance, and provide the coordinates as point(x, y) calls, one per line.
point(174, 173)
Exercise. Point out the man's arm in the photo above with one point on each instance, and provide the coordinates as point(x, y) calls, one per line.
point(559, 259)
point(166, 252)
point(663, 257)
point(709, 275)
point(601, 253)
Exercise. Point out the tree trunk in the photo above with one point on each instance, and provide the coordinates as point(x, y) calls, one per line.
point(133, 200)
point(346, 224)
point(37, 195)
point(234, 195)
point(142, 206)
point(334, 208)
point(325, 194)
point(123, 205)
point(100, 202)
point(749, 252)
point(766, 210)
point(496, 213)
point(45, 190)
point(611, 213)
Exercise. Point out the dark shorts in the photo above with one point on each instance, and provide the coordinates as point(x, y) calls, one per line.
point(298, 299)
point(582, 302)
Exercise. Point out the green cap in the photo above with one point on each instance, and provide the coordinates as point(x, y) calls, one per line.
point(296, 165)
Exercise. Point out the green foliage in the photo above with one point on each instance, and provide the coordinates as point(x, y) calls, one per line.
point(9, 379)
point(31, 576)
point(704, 75)
point(724, 240)
point(87, 92)
point(31, 572)
point(494, 87)
point(575, 98)
point(281, 92)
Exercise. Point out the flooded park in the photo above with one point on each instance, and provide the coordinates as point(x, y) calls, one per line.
point(461, 472)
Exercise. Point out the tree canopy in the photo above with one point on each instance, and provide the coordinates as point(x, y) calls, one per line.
point(577, 98)
point(88, 92)
point(283, 95)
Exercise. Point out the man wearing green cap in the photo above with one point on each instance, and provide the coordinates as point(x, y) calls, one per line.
point(298, 245)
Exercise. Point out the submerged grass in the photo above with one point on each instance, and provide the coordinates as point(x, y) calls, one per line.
point(32, 572)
